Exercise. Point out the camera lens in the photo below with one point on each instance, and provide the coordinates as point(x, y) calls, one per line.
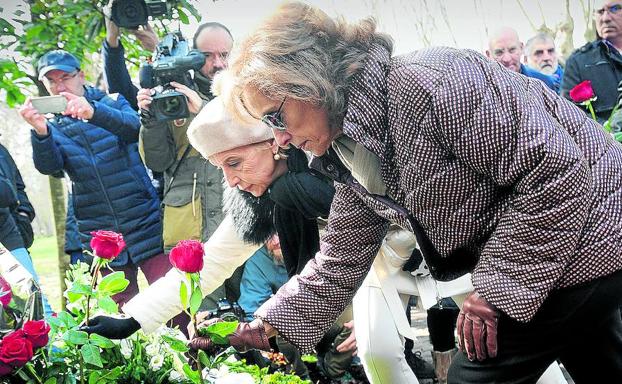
point(171, 106)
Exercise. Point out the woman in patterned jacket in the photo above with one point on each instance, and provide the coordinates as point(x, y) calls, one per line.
point(493, 173)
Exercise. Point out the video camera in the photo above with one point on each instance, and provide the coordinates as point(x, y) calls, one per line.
point(228, 311)
point(133, 13)
point(173, 61)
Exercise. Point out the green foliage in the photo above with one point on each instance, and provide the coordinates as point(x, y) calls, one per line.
point(35, 27)
point(219, 332)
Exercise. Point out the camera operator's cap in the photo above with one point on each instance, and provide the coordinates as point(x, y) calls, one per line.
point(57, 59)
point(213, 130)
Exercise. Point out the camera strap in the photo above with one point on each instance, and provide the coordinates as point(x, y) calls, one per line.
point(181, 159)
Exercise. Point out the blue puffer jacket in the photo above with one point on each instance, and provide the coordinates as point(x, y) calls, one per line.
point(111, 189)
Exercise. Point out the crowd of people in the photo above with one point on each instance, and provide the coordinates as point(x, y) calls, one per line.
point(354, 181)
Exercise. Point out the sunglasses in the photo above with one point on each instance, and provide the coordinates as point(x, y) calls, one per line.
point(274, 120)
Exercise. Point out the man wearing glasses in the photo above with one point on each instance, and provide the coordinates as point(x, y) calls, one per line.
point(192, 195)
point(95, 142)
point(599, 61)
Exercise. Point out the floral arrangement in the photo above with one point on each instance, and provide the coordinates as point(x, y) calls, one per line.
point(583, 94)
point(57, 351)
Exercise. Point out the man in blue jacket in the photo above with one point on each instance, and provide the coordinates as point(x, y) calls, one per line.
point(94, 140)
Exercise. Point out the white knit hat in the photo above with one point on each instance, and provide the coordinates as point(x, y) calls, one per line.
point(213, 130)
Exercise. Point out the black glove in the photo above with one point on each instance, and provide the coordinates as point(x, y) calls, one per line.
point(477, 328)
point(112, 327)
point(247, 336)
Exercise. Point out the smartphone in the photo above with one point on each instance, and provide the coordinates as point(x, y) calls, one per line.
point(49, 104)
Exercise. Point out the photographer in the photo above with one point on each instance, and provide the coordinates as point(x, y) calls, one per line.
point(192, 186)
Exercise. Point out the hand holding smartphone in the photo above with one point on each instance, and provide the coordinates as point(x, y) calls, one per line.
point(49, 104)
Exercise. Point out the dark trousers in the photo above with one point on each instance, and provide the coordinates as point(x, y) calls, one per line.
point(580, 326)
point(153, 268)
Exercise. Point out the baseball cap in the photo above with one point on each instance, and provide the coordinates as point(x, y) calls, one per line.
point(57, 59)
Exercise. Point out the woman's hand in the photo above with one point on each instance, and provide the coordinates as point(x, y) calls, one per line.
point(349, 344)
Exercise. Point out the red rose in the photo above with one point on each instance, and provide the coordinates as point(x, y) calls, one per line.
point(107, 244)
point(37, 332)
point(15, 349)
point(582, 92)
point(187, 256)
point(5, 292)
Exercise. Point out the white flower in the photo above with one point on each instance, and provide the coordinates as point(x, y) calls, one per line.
point(156, 362)
point(152, 349)
point(175, 377)
point(236, 378)
point(126, 348)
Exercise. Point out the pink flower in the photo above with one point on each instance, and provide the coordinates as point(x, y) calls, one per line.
point(107, 244)
point(37, 332)
point(582, 92)
point(5, 293)
point(187, 256)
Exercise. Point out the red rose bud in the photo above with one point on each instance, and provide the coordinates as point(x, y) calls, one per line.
point(5, 293)
point(107, 244)
point(37, 332)
point(582, 92)
point(187, 256)
point(15, 349)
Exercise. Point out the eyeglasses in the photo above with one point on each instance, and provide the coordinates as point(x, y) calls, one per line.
point(63, 79)
point(274, 120)
point(612, 10)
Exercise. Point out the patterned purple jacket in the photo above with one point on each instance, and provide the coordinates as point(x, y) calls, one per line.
point(486, 160)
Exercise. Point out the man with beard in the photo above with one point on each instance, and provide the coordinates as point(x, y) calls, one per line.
point(505, 48)
point(192, 195)
point(540, 54)
point(599, 61)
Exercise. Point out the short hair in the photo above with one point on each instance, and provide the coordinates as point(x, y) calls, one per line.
point(302, 53)
point(210, 24)
point(540, 37)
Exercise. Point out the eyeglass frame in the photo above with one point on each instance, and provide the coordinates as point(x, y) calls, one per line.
point(600, 12)
point(271, 118)
point(63, 78)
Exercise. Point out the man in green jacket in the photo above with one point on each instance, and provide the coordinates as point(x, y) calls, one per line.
point(192, 197)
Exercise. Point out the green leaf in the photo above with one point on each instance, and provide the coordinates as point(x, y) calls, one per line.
point(81, 289)
point(76, 337)
point(183, 295)
point(67, 319)
point(204, 359)
point(195, 300)
point(176, 344)
point(107, 304)
point(220, 331)
point(183, 17)
point(101, 341)
point(51, 380)
point(91, 355)
point(94, 377)
point(113, 284)
point(191, 374)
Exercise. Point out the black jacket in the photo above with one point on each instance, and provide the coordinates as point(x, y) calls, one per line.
point(16, 212)
point(602, 65)
point(290, 208)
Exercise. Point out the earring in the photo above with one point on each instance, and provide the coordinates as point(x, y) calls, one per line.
point(277, 156)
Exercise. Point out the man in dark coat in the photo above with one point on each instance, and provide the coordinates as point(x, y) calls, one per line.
point(16, 214)
point(599, 61)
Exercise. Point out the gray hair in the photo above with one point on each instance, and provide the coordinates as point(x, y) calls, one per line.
point(541, 37)
point(302, 53)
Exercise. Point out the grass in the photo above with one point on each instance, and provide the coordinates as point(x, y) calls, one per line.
point(45, 258)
